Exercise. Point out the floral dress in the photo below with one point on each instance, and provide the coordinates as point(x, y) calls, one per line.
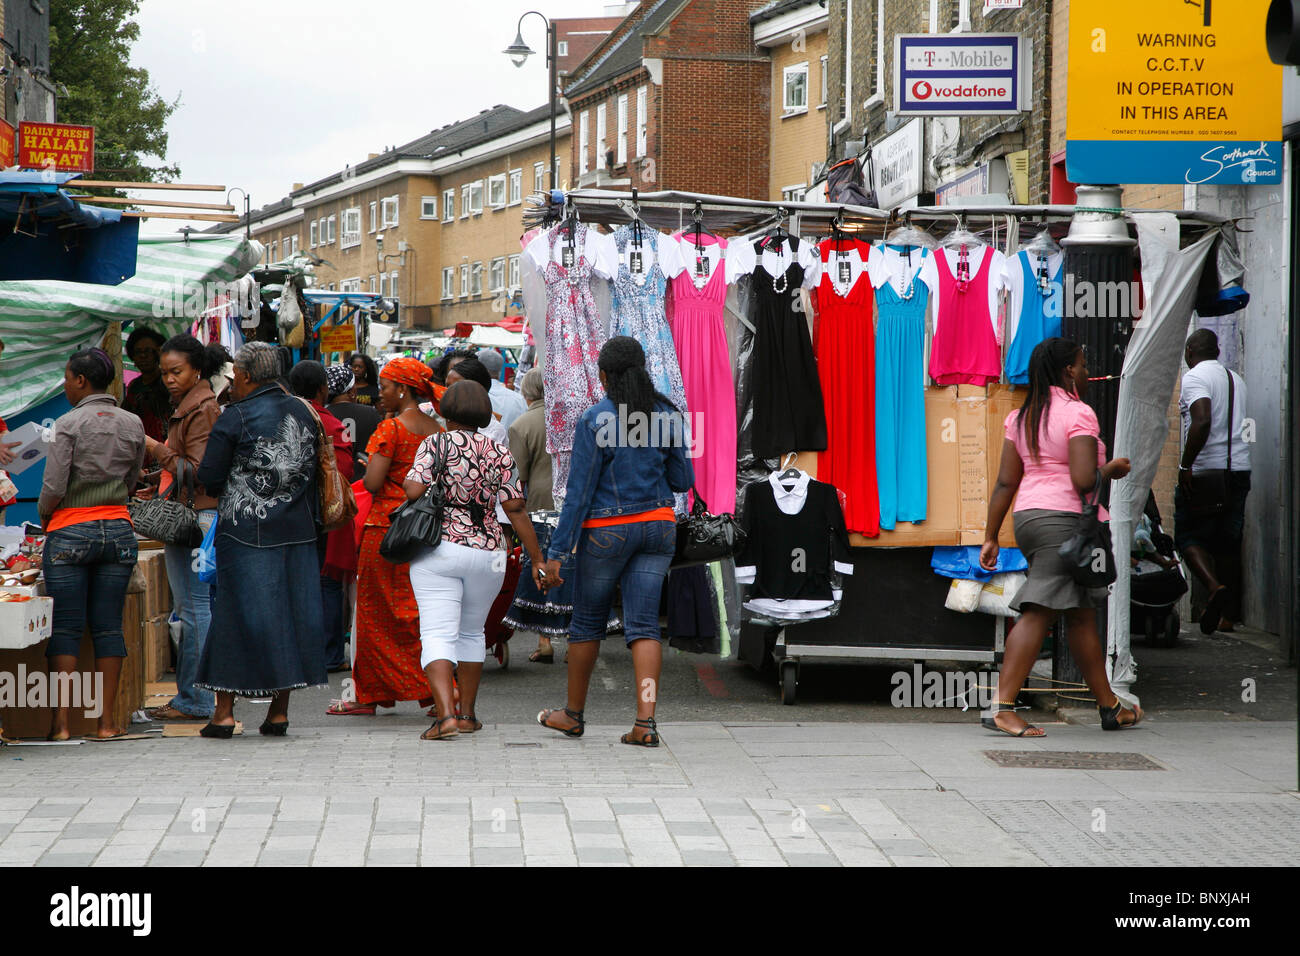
point(639, 312)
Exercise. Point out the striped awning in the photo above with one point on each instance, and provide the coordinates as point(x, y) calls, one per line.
point(42, 323)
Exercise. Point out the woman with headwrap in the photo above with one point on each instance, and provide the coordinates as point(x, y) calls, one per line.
point(386, 656)
point(90, 549)
point(265, 636)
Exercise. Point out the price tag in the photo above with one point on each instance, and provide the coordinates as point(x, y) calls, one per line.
point(634, 262)
point(566, 257)
point(846, 271)
point(701, 265)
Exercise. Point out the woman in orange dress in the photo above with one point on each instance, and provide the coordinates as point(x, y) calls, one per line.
point(387, 634)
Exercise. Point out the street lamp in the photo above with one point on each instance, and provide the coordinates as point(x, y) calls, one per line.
point(248, 222)
point(519, 52)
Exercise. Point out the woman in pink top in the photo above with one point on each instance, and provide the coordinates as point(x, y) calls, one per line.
point(1052, 454)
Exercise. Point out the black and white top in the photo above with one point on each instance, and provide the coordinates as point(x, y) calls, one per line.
point(795, 539)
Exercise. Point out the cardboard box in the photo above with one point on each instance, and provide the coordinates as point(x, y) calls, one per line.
point(24, 623)
point(23, 722)
point(157, 592)
point(157, 654)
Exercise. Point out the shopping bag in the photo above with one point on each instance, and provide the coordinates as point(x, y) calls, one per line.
point(206, 559)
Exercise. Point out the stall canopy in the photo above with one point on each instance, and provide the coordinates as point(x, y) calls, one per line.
point(43, 322)
point(46, 234)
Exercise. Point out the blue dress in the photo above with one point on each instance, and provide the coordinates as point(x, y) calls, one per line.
point(901, 478)
point(638, 307)
point(1040, 318)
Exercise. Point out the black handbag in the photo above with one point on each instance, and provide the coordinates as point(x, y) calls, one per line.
point(1208, 495)
point(414, 526)
point(1087, 552)
point(704, 537)
point(164, 517)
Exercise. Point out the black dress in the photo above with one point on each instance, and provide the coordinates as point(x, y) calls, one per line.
point(788, 410)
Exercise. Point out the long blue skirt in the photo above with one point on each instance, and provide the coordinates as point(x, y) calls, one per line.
point(267, 632)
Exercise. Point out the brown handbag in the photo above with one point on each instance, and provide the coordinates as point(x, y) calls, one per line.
point(338, 505)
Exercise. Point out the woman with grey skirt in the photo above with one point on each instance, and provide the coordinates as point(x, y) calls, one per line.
point(1052, 454)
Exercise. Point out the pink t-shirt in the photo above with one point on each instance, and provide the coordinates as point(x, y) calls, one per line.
point(1047, 483)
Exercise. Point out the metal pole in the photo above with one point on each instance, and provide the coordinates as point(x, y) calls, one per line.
point(553, 46)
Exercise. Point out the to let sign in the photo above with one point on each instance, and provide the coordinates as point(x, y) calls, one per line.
point(58, 146)
point(968, 74)
point(1170, 92)
point(338, 338)
point(6, 145)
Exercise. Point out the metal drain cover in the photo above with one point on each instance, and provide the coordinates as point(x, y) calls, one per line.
point(1071, 760)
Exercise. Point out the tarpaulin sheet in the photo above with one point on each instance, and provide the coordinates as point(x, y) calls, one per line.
point(1151, 363)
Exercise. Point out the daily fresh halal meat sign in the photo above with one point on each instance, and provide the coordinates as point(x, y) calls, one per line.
point(969, 74)
point(57, 146)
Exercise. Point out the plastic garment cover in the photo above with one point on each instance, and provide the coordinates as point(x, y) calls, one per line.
point(1151, 364)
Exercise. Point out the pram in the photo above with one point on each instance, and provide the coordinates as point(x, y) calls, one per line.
point(1156, 581)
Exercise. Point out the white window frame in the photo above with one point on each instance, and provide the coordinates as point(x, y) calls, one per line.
point(476, 197)
point(388, 210)
point(372, 283)
point(383, 284)
point(787, 107)
point(294, 252)
point(620, 155)
point(393, 286)
point(351, 285)
point(351, 236)
point(496, 191)
point(823, 64)
point(515, 187)
point(374, 216)
point(311, 233)
point(275, 251)
point(464, 200)
point(584, 134)
point(334, 228)
point(449, 282)
point(448, 205)
point(476, 279)
point(561, 47)
point(497, 275)
point(464, 281)
point(642, 117)
point(513, 280)
point(424, 204)
point(539, 177)
point(600, 136)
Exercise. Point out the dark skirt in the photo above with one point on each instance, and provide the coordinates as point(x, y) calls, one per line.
point(267, 632)
point(1039, 536)
point(532, 609)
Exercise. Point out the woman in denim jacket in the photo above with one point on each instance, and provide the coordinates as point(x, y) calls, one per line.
point(618, 527)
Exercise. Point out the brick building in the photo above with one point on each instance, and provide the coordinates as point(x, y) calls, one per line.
point(676, 97)
point(861, 95)
point(576, 37)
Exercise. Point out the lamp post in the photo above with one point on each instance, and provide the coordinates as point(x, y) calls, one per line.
point(519, 52)
point(248, 221)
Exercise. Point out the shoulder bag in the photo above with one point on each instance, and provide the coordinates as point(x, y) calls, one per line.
point(1087, 552)
point(703, 537)
point(165, 517)
point(338, 506)
point(415, 526)
point(1210, 489)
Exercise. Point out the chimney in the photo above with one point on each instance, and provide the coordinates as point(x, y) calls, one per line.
point(373, 156)
point(296, 187)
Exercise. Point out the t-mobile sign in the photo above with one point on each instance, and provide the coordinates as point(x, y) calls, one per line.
point(972, 74)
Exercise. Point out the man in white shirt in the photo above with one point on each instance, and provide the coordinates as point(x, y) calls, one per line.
point(506, 402)
point(1213, 479)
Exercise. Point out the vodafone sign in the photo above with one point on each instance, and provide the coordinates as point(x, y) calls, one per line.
point(972, 74)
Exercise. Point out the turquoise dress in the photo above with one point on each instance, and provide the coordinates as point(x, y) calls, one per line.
point(1040, 318)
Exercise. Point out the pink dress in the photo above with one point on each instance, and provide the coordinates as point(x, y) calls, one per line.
point(965, 350)
point(705, 359)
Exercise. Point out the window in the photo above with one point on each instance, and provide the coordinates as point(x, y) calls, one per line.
point(539, 177)
point(448, 205)
point(383, 284)
point(392, 286)
point(372, 283)
point(795, 87)
point(583, 133)
point(464, 200)
point(497, 275)
point(497, 191)
point(793, 193)
point(353, 284)
point(352, 228)
point(516, 186)
point(388, 213)
point(621, 156)
point(324, 230)
point(275, 251)
point(600, 135)
point(294, 250)
point(374, 216)
point(464, 281)
point(514, 272)
point(312, 235)
point(476, 279)
point(449, 283)
point(822, 102)
point(562, 48)
point(641, 110)
point(333, 224)
point(428, 207)
point(476, 196)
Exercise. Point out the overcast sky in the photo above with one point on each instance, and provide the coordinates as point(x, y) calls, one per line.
point(275, 92)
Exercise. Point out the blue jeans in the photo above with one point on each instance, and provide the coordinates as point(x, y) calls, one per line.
point(635, 556)
point(87, 569)
point(193, 603)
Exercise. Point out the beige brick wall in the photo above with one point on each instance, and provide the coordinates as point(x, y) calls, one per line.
point(798, 141)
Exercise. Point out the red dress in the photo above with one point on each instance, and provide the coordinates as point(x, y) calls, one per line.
point(846, 364)
point(387, 665)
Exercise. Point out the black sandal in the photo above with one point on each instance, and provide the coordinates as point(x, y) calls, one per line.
point(273, 729)
point(649, 740)
point(991, 723)
point(217, 731)
point(544, 716)
point(1110, 715)
point(478, 724)
point(437, 733)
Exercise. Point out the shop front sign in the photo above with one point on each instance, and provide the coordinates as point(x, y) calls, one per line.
point(968, 74)
point(987, 180)
point(57, 146)
point(896, 165)
point(338, 338)
point(1170, 92)
point(7, 137)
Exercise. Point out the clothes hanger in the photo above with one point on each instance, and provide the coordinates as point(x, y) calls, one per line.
point(789, 471)
point(960, 236)
point(1042, 244)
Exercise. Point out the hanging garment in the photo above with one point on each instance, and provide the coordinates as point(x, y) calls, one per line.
point(1035, 308)
point(574, 334)
point(645, 264)
point(803, 519)
point(789, 414)
point(901, 300)
point(846, 364)
point(965, 350)
point(700, 339)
